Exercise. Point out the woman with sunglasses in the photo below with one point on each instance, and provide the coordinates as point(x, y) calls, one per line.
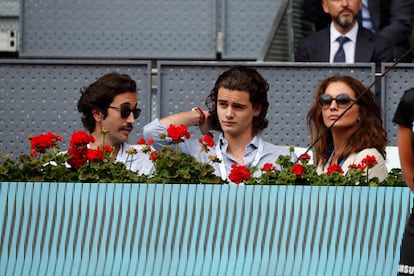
point(345, 126)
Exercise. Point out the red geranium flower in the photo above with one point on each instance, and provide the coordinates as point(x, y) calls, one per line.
point(94, 155)
point(369, 161)
point(147, 145)
point(298, 170)
point(238, 173)
point(334, 168)
point(42, 142)
point(153, 155)
point(81, 138)
point(268, 167)
point(206, 142)
point(178, 133)
point(78, 158)
point(304, 156)
point(108, 149)
point(362, 167)
point(141, 141)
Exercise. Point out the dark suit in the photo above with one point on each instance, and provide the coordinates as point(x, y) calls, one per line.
point(368, 48)
point(393, 19)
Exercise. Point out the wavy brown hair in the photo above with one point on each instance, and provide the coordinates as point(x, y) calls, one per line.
point(100, 94)
point(368, 133)
point(241, 78)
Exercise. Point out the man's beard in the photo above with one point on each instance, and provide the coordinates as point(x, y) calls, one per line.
point(345, 23)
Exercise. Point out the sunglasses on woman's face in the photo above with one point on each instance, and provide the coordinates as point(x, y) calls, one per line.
point(342, 100)
point(126, 111)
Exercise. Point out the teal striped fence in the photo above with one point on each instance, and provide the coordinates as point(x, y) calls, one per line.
point(180, 229)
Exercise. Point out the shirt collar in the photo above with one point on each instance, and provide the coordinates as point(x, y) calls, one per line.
point(352, 34)
point(224, 144)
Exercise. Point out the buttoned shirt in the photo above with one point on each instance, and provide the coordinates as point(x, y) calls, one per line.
point(257, 153)
point(138, 162)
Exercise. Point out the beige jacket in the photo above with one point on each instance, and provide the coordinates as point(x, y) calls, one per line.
point(379, 170)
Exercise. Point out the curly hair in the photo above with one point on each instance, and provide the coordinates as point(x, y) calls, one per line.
point(100, 95)
point(368, 133)
point(241, 78)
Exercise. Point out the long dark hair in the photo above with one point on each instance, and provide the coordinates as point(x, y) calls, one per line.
point(368, 133)
point(241, 78)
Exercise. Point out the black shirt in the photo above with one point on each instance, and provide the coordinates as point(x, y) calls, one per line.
point(404, 115)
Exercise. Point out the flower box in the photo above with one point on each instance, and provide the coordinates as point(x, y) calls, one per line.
point(83, 164)
point(200, 229)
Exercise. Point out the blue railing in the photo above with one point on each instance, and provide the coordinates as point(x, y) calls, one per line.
point(180, 229)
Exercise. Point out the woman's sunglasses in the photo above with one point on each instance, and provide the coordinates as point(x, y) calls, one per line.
point(342, 100)
point(126, 111)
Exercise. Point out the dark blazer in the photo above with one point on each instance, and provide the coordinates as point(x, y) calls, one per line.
point(369, 47)
point(393, 19)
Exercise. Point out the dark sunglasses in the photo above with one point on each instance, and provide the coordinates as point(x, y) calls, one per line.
point(126, 111)
point(342, 100)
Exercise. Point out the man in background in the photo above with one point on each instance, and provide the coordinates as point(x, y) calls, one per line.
point(392, 19)
point(344, 40)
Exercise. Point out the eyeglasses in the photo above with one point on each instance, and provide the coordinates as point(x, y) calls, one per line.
point(126, 111)
point(342, 100)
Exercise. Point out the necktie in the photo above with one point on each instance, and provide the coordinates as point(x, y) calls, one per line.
point(340, 54)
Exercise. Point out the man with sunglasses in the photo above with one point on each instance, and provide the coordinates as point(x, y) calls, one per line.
point(109, 110)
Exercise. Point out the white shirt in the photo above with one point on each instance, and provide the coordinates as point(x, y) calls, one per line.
point(349, 47)
point(139, 162)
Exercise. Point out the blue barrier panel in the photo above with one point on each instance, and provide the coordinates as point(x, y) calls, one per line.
point(313, 254)
point(189, 229)
point(129, 203)
point(82, 209)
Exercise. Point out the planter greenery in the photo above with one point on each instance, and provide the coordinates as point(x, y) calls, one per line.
point(46, 163)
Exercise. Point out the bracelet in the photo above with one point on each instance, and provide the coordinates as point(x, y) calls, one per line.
point(201, 115)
